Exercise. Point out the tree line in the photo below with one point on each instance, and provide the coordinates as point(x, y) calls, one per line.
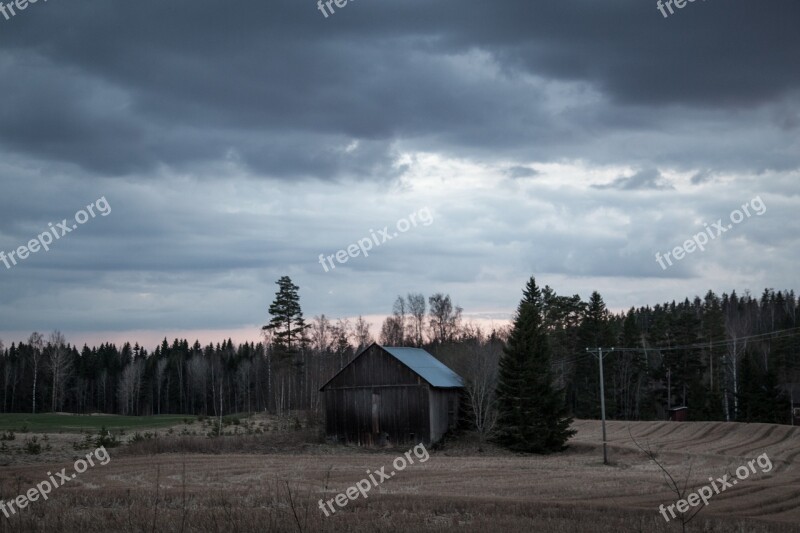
point(281, 373)
point(725, 357)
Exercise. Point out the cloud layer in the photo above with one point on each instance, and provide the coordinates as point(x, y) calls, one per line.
point(570, 140)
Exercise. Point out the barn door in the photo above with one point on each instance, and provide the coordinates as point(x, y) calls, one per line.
point(376, 411)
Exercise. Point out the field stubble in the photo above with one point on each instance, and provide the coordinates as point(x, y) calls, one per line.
point(273, 482)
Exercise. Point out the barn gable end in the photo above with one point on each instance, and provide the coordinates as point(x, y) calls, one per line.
point(373, 367)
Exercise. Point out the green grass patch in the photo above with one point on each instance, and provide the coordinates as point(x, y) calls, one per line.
point(52, 423)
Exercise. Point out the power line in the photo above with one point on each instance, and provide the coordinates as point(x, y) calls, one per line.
point(773, 335)
point(780, 334)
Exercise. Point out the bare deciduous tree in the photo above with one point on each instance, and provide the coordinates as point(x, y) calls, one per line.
point(243, 382)
point(161, 367)
point(678, 488)
point(197, 376)
point(340, 334)
point(129, 387)
point(480, 375)
point(392, 332)
point(399, 311)
point(36, 342)
point(361, 335)
point(320, 333)
point(737, 325)
point(60, 366)
point(445, 318)
point(416, 307)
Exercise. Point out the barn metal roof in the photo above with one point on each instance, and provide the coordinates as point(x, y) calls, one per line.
point(427, 366)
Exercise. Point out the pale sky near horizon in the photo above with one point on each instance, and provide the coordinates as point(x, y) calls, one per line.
point(572, 141)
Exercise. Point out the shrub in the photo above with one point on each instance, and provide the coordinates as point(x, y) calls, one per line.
point(106, 439)
point(231, 420)
point(139, 437)
point(32, 446)
point(87, 442)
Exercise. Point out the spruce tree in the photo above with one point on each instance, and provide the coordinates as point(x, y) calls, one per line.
point(713, 333)
point(760, 397)
point(594, 331)
point(287, 318)
point(532, 414)
point(749, 393)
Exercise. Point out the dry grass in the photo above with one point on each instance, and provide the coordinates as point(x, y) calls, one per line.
point(272, 484)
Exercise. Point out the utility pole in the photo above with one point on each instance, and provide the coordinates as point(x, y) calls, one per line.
point(599, 354)
point(669, 388)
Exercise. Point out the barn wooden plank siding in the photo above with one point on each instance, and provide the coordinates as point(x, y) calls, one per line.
point(390, 395)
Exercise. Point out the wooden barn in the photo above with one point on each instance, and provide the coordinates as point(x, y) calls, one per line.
point(389, 395)
point(679, 414)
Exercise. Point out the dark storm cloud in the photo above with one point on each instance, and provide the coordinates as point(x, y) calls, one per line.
point(520, 171)
point(642, 180)
point(118, 87)
point(171, 108)
point(702, 176)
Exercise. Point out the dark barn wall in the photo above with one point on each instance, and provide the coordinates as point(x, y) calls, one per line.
point(377, 395)
point(365, 415)
point(444, 411)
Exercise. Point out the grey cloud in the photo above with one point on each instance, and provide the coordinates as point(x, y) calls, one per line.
point(127, 88)
point(180, 111)
point(641, 180)
point(702, 176)
point(520, 171)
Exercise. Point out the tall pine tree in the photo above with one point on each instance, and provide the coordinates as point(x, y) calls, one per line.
point(532, 414)
point(287, 321)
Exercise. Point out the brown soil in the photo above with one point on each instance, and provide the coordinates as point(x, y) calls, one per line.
point(275, 485)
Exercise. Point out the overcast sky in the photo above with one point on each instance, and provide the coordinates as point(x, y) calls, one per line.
point(235, 142)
